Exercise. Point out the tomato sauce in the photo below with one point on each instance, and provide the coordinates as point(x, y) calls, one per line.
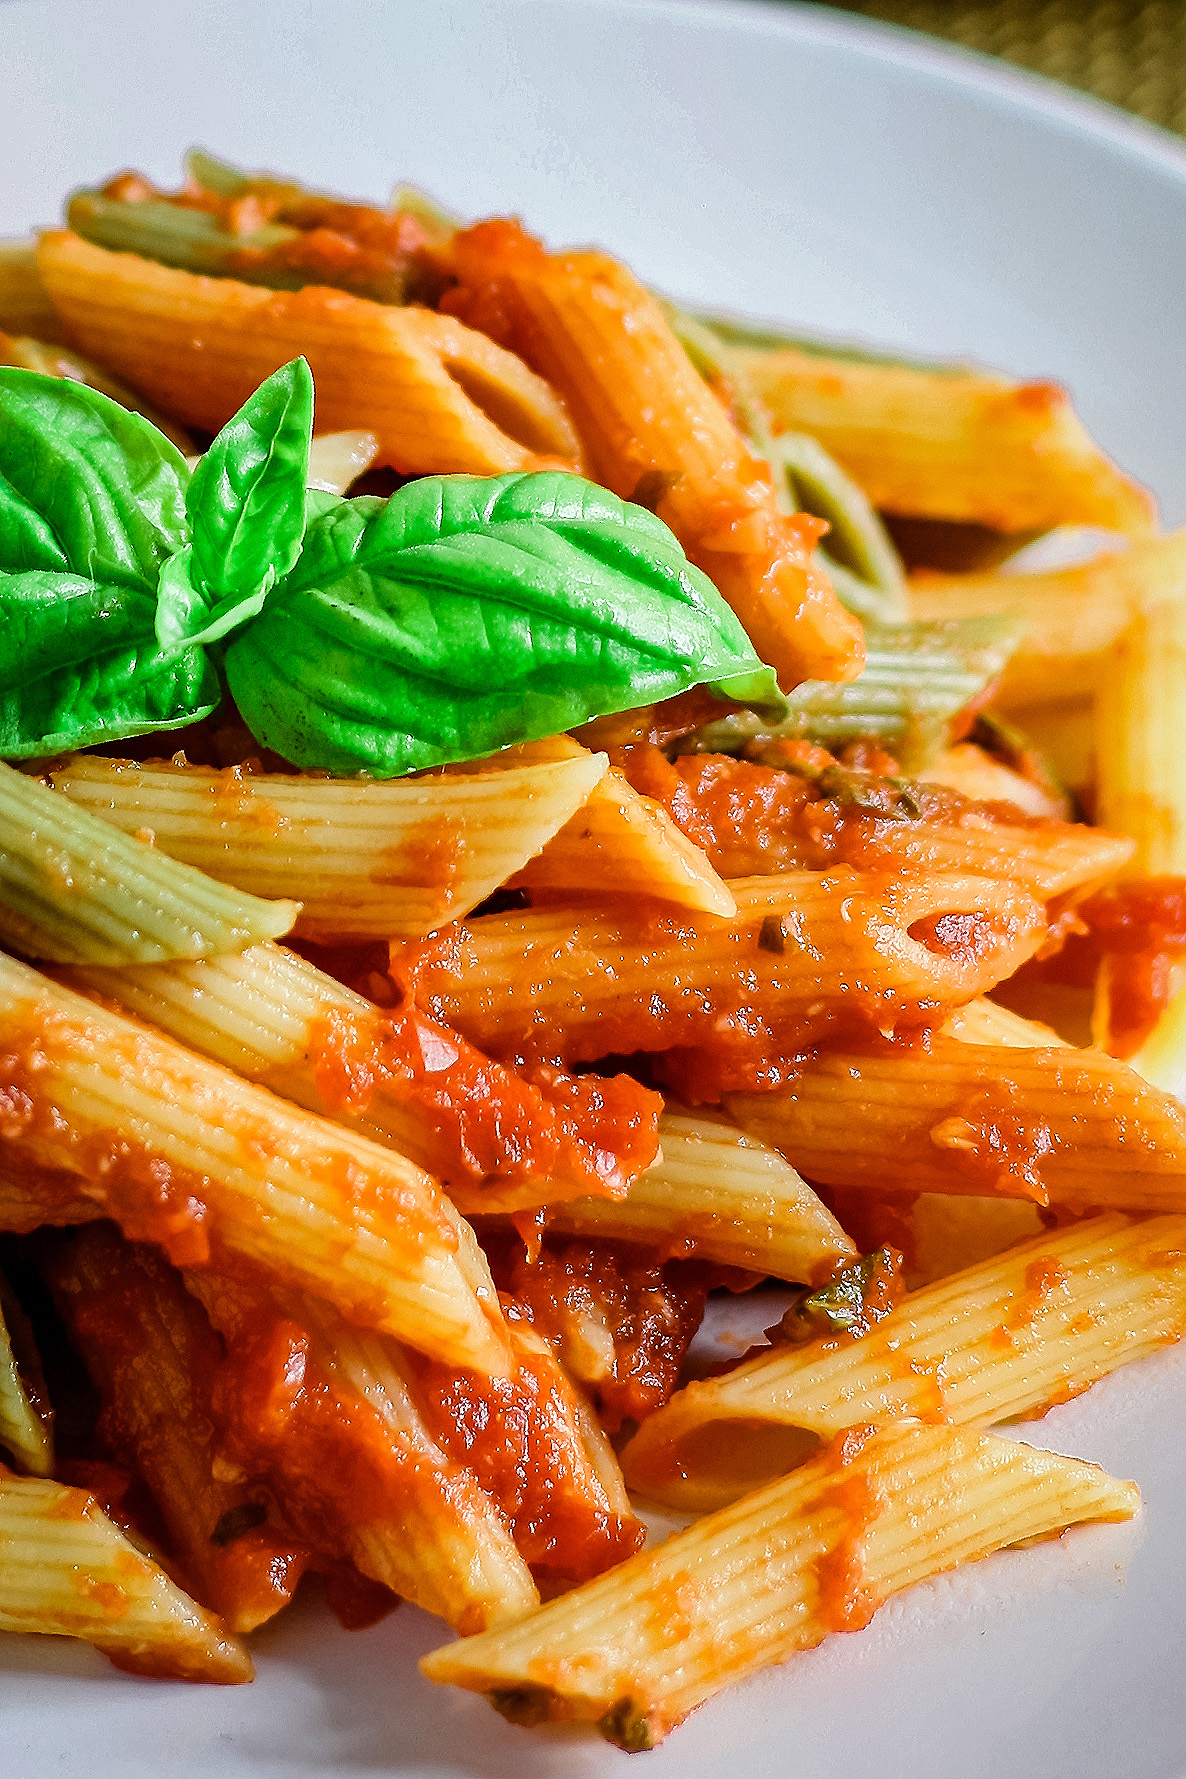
point(1136, 932)
point(620, 1318)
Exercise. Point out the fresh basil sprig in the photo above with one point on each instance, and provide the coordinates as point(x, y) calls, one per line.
point(457, 617)
point(466, 613)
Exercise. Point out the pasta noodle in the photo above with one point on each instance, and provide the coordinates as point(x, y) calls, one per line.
point(1141, 775)
point(1073, 616)
point(634, 1651)
point(70, 1572)
point(949, 442)
point(1003, 1340)
point(362, 858)
point(716, 1194)
point(180, 1151)
point(74, 890)
point(437, 395)
point(25, 1424)
point(597, 984)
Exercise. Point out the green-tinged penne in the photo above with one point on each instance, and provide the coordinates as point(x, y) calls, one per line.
point(1033, 1326)
point(917, 677)
point(718, 1195)
point(1140, 732)
point(635, 1650)
point(75, 890)
point(382, 860)
point(26, 1418)
point(69, 1572)
point(181, 1152)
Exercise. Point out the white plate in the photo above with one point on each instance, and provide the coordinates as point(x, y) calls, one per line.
point(791, 164)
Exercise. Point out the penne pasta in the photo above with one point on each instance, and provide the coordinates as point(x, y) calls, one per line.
point(593, 984)
point(948, 442)
point(654, 431)
point(69, 1572)
point(1070, 1127)
point(1161, 1058)
point(1002, 1340)
point(975, 774)
point(371, 859)
point(1140, 769)
point(26, 1417)
point(633, 1652)
point(183, 1153)
point(73, 889)
point(438, 396)
point(497, 1141)
point(349, 1459)
point(717, 1195)
point(1072, 616)
point(154, 1359)
point(622, 844)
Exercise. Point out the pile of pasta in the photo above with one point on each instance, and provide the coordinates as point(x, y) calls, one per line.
point(369, 1150)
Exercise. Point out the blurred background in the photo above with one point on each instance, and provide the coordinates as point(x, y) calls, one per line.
point(1130, 52)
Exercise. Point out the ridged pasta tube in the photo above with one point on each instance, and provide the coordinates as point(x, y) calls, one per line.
point(372, 859)
point(75, 890)
point(69, 1572)
point(1140, 739)
point(999, 1341)
point(635, 1650)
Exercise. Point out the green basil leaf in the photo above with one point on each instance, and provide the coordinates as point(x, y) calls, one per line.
point(246, 502)
point(80, 665)
point(185, 618)
point(468, 613)
point(86, 488)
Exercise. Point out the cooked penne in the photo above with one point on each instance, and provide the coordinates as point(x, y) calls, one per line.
point(718, 1195)
point(1072, 616)
point(69, 1572)
point(26, 1418)
point(25, 307)
point(1006, 1339)
point(349, 1460)
point(372, 859)
point(337, 459)
point(950, 441)
point(74, 890)
point(438, 396)
point(1139, 734)
point(818, 1551)
point(183, 1153)
point(497, 1141)
point(154, 1359)
point(655, 432)
point(1161, 1059)
point(1068, 1127)
point(975, 774)
point(622, 844)
point(593, 984)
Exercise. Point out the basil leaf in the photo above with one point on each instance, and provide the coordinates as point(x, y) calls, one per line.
point(184, 615)
point(81, 665)
point(468, 613)
point(246, 501)
point(86, 487)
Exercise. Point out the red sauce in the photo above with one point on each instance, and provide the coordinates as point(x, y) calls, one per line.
point(1138, 931)
point(521, 1437)
point(993, 1142)
point(846, 1601)
point(752, 818)
point(620, 1318)
point(479, 1124)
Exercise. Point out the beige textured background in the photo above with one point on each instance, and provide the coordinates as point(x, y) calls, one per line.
point(1131, 52)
